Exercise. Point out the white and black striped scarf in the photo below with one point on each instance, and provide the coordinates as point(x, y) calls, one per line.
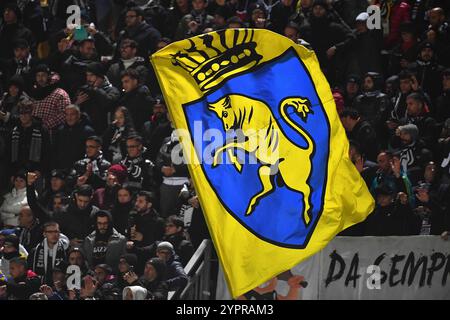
point(35, 146)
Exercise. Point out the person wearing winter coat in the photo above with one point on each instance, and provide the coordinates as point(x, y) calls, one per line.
point(93, 169)
point(176, 278)
point(116, 135)
point(443, 101)
point(136, 98)
point(134, 293)
point(70, 138)
point(49, 253)
point(121, 209)
point(22, 283)
point(139, 30)
point(11, 249)
point(106, 197)
point(97, 97)
point(128, 61)
point(174, 234)
point(49, 100)
point(153, 279)
point(104, 245)
point(14, 201)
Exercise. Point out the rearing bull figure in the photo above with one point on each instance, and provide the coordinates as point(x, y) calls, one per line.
point(264, 138)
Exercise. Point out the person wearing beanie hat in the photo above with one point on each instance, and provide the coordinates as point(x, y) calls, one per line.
point(127, 263)
point(50, 100)
point(153, 279)
point(176, 278)
point(428, 71)
point(97, 96)
point(104, 245)
point(11, 250)
point(12, 30)
point(120, 172)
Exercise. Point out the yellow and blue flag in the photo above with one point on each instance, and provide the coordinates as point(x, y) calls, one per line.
point(266, 151)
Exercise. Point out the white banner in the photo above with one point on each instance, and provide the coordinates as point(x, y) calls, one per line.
point(414, 267)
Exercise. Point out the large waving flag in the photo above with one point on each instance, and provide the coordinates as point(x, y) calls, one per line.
point(265, 148)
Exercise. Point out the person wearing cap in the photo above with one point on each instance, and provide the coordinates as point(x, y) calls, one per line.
point(137, 98)
point(70, 138)
point(49, 99)
point(98, 96)
point(128, 60)
point(57, 186)
point(93, 168)
point(14, 201)
point(104, 244)
point(106, 197)
point(365, 52)
point(361, 131)
point(137, 29)
point(392, 215)
point(50, 252)
point(352, 90)
point(176, 278)
point(29, 143)
point(22, 283)
point(157, 128)
point(12, 29)
point(152, 279)
point(327, 38)
point(10, 249)
point(428, 71)
point(22, 64)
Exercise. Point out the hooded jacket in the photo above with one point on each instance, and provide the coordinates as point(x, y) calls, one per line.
point(138, 292)
point(117, 245)
point(11, 206)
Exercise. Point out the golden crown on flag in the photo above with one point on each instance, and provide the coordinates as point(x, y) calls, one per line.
point(215, 56)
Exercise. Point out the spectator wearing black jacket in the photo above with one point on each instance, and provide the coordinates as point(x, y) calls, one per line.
point(153, 279)
point(139, 30)
point(443, 101)
point(116, 135)
point(157, 128)
point(58, 187)
point(327, 38)
point(93, 169)
point(392, 215)
point(146, 226)
point(140, 168)
point(122, 208)
point(175, 234)
point(373, 105)
point(11, 30)
point(76, 221)
point(176, 278)
point(195, 22)
point(428, 71)
point(352, 90)
point(98, 97)
point(70, 138)
point(128, 60)
point(360, 131)
point(136, 98)
point(30, 142)
point(23, 282)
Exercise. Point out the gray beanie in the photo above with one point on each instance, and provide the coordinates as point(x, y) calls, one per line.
point(165, 245)
point(411, 129)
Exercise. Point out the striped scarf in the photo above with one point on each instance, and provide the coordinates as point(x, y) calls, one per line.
point(35, 146)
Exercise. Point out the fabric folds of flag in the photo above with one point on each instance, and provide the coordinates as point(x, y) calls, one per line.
point(265, 149)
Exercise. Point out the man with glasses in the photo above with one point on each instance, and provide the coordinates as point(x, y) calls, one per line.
point(140, 169)
point(49, 253)
point(137, 29)
point(128, 60)
point(93, 169)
